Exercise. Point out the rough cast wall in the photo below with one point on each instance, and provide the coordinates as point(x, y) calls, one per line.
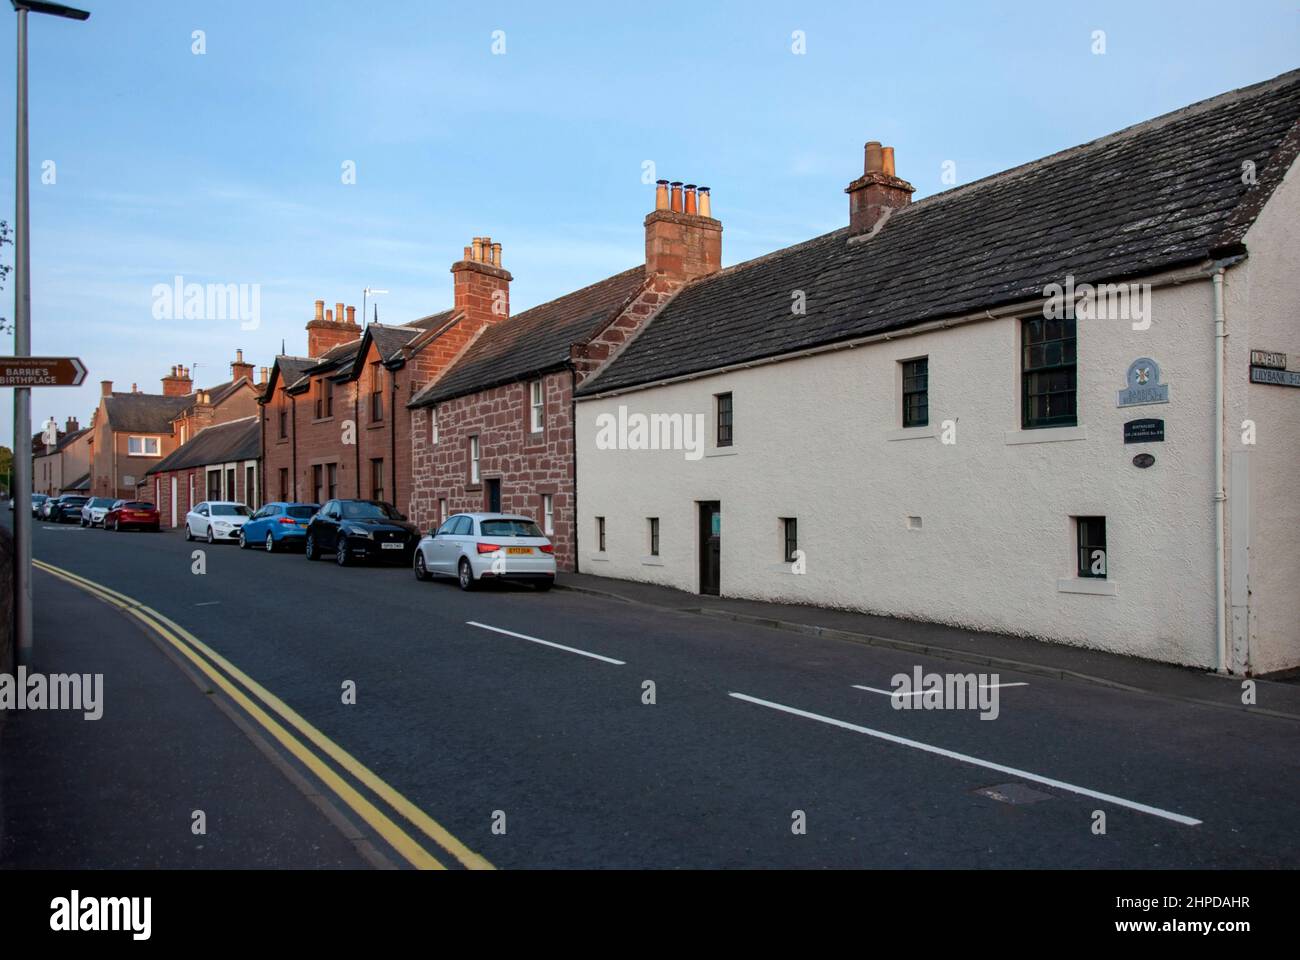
point(1263, 302)
point(817, 439)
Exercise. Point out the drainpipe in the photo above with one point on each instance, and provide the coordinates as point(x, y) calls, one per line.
point(1220, 334)
point(392, 433)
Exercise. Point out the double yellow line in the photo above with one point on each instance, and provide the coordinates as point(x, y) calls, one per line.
point(204, 658)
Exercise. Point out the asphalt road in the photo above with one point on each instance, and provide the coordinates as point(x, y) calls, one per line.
point(469, 723)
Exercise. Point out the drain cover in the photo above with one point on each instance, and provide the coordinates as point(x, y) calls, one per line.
point(1015, 793)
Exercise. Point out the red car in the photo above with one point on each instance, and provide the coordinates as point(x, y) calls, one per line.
point(132, 513)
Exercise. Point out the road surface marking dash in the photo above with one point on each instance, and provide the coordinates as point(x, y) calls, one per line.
point(208, 603)
point(974, 761)
point(547, 643)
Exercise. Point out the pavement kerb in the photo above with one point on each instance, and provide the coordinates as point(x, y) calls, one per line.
point(949, 653)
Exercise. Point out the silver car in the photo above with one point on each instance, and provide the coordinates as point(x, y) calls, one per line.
point(473, 547)
point(215, 520)
point(92, 514)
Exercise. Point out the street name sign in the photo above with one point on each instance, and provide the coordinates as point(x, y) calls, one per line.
point(41, 372)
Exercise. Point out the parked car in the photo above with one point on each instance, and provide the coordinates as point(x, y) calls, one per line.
point(215, 520)
point(124, 514)
point(43, 511)
point(487, 546)
point(92, 514)
point(360, 530)
point(67, 508)
point(277, 524)
point(38, 501)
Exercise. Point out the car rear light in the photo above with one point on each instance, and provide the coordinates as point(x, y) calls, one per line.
point(547, 548)
point(488, 547)
point(289, 520)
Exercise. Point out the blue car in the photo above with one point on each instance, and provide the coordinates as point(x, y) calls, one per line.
point(277, 525)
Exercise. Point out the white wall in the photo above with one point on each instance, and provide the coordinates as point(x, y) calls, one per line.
point(1263, 313)
point(813, 442)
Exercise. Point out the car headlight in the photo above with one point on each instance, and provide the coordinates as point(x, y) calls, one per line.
point(360, 532)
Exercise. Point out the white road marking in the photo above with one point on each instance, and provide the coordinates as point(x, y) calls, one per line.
point(548, 643)
point(976, 761)
point(917, 693)
point(208, 603)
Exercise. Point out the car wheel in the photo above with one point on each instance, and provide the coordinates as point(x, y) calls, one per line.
point(341, 553)
point(211, 538)
point(189, 534)
point(270, 543)
point(421, 571)
point(465, 575)
point(243, 544)
point(309, 548)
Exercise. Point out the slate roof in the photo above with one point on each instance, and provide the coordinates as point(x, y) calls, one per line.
point(290, 369)
point(390, 340)
point(534, 341)
point(144, 412)
point(1161, 194)
point(67, 439)
point(81, 483)
point(236, 440)
point(336, 361)
point(432, 321)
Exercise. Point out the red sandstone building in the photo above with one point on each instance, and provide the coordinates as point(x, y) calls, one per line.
point(469, 409)
point(495, 430)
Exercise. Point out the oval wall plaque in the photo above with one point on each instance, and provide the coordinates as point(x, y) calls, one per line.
point(1143, 460)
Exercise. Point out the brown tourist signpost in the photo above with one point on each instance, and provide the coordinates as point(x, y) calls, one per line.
point(41, 372)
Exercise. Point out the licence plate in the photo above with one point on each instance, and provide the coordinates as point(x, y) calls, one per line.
point(391, 546)
point(517, 551)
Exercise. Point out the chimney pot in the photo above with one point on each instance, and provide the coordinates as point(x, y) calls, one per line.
point(239, 356)
point(469, 253)
point(478, 249)
point(265, 375)
point(338, 312)
point(676, 205)
point(874, 162)
point(706, 207)
point(661, 194)
point(329, 316)
point(690, 198)
point(496, 254)
point(134, 388)
point(320, 310)
point(888, 158)
point(352, 314)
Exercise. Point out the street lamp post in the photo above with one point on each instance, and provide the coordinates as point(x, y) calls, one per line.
point(22, 491)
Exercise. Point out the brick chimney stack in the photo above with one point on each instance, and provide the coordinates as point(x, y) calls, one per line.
point(482, 285)
point(682, 240)
point(239, 368)
point(328, 330)
point(105, 388)
point(71, 426)
point(878, 192)
point(177, 383)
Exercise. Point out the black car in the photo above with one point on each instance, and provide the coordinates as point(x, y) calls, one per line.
point(360, 530)
point(67, 509)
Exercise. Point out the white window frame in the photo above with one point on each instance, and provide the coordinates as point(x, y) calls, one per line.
point(536, 407)
point(442, 510)
point(433, 425)
point(473, 459)
point(144, 446)
point(548, 513)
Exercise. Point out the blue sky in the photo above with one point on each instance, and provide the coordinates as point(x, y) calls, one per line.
point(226, 167)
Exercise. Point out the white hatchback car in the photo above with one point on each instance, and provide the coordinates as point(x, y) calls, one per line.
point(473, 547)
point(214, 520)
